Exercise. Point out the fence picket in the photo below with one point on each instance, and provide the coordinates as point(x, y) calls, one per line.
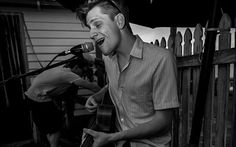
point(185, 105)
point(157, 42)
point(223, 84)
point(198, 43)
point(163, 42)
point(170, 44)
point(233, 123)
point(187, 42)
point(178, 46)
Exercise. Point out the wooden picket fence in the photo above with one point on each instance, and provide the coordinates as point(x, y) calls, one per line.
point(219, 117)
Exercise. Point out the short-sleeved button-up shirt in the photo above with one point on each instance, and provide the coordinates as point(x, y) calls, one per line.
point(146, 84)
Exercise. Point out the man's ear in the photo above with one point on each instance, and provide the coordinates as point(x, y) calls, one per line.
point(120, 20)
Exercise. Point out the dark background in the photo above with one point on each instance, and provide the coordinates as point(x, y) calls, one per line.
point(170, 13)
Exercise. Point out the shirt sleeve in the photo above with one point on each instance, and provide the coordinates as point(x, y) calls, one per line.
point(62, 82)
point(165, 93)
point(71, 77)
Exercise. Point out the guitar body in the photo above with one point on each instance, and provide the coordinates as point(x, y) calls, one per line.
point(104, 121)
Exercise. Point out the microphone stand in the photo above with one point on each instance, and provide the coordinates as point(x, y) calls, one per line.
point(38, 71)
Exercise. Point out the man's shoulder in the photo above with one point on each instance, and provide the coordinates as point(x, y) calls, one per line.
point(152, 50)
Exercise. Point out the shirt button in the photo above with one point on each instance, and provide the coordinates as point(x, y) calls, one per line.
point(122, 119)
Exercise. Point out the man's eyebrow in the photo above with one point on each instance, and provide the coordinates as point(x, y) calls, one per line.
point(92, 20)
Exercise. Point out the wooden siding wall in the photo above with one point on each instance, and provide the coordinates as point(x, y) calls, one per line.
point(49, 32)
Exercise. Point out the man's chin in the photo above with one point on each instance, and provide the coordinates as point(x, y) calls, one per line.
point(106, 53)
point(110, 54)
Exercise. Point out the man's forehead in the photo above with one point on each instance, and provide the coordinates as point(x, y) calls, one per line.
point(94, 14)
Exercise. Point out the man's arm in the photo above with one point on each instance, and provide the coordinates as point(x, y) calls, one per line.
point(88, 85)
point(159, 125)
point(95, 99)
point(100, 94)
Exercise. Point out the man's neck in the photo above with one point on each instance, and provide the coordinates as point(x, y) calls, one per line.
point(126, 46)
point(123, 54)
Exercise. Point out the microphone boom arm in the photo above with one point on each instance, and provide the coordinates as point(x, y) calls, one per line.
point(38, 71)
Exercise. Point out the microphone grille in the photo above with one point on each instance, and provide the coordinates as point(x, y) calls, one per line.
point(88, 47)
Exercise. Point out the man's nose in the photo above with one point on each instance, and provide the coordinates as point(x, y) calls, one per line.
point(93, 34)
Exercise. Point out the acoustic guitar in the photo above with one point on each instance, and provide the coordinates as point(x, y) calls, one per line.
point(103, 121)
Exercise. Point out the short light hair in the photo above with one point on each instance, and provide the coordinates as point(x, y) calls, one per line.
point(110, 7)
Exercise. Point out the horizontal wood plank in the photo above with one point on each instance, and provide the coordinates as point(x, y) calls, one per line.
point(59, 34)
point(225, 56)
point(47, 49)
point(32, 26)
point(57, 42)
point(46, 57)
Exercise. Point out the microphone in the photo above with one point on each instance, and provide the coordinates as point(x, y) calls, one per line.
point(78, 49)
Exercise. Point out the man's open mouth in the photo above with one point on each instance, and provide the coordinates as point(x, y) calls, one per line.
point(100, 41)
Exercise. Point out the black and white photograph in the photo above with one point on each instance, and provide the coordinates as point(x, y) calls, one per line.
point(117, 73)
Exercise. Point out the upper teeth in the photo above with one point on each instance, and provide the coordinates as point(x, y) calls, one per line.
point(99, 41)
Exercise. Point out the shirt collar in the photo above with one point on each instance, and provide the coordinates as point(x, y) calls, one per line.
point(137, 50)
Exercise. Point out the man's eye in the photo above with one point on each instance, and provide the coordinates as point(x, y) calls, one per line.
point(98, 25)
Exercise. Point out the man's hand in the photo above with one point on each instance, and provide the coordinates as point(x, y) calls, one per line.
point(90, 57)
point(100, 138)
point(91, 104)
point(93, 101)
